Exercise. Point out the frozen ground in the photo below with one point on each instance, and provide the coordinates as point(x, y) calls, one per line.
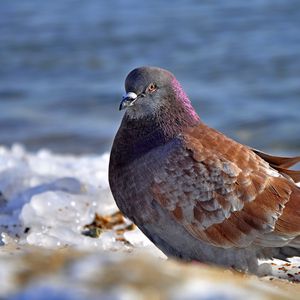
point(63, 238)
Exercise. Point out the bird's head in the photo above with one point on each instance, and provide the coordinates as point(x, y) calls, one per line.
point(147, 89)
point(151, 91)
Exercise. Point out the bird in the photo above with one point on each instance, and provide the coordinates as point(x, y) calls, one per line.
point(197, 194)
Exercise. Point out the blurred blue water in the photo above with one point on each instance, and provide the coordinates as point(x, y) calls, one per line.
point(63, 63)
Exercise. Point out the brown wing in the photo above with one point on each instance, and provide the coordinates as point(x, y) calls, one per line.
point(289, 222)
point(221, 191)
point(281, 164)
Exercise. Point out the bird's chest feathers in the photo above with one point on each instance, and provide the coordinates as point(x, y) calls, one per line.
point(136, 146)
point(132, 180)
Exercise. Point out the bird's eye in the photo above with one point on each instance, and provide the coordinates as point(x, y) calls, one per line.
point(151, 88)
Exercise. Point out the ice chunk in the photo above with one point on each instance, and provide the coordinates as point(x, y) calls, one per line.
point(46, 198)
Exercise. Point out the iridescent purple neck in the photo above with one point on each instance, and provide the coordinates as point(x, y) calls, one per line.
point(186, 103)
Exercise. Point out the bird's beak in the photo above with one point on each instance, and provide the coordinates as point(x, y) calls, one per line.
point(128, 100)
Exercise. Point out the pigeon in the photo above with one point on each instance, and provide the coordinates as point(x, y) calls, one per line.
point(195, 193)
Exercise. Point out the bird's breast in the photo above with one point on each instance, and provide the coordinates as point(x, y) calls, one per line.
point(131, 181)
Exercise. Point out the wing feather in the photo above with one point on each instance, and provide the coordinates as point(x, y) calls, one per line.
point(282, 164)
point(227, 196)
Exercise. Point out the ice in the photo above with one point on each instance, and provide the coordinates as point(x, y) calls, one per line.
point(47, 199)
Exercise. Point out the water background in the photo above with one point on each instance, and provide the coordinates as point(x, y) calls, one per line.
point(63, 64)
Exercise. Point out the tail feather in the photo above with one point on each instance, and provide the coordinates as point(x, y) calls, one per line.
point(278, 161)
point(286, 252)
point(295, 175)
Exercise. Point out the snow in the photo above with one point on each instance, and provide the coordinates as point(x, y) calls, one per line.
point(53, 196)
point(47, 200)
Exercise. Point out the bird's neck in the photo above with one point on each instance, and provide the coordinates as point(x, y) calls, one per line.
point(174, 119)
point(136, 137)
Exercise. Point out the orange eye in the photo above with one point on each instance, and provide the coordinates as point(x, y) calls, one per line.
point(151, 88)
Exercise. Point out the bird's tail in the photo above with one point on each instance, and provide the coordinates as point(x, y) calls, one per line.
point(282, 164)
point(287, 251)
